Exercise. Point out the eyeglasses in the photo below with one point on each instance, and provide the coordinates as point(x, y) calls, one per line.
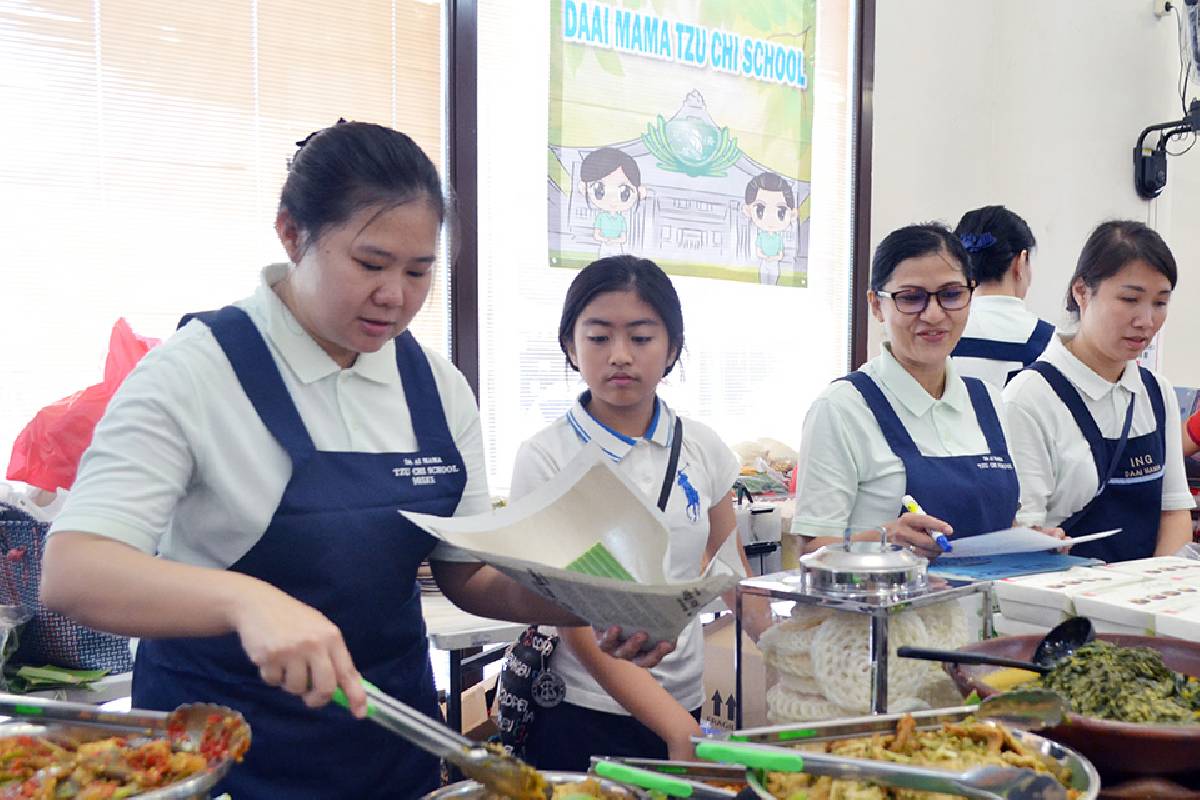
point(915, 301)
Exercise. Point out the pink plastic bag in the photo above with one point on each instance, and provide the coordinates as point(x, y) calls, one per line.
point(46, 453)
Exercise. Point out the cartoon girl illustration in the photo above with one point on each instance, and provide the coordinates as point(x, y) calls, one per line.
point(611, 182)
point(771, 207)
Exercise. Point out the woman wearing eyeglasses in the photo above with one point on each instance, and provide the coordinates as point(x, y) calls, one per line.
point(907, 423)
point(1097, 438)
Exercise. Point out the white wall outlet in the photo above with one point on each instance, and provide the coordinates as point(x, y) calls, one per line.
point(1161, 7)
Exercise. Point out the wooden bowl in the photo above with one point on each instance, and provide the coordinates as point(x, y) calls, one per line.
point(1116, 748)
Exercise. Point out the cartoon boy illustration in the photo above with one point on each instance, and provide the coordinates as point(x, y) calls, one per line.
point(771, 207)
point(611, 181)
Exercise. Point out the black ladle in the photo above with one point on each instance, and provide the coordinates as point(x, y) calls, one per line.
point(1062, 640)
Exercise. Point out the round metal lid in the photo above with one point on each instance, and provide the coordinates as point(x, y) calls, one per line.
point(859, 569)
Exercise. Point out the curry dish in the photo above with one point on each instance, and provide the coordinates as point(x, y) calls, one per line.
point(954, 748)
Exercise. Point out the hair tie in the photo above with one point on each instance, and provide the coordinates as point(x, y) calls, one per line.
point(300, 144)
point(974, 242)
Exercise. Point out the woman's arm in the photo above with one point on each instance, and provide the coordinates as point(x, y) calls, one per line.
point(638, 692)
point(111, 586)
point(1174, 531)
point(909, 530)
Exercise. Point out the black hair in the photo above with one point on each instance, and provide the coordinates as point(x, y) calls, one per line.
point(1113, 245)
point(914, 241)
point(349, 166)
point(993, 237)
point(604, 161)
point(623, 273)
point(770, 182)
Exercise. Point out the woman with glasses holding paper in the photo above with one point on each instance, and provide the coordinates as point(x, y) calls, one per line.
point(907, 423)
point(1097, 438)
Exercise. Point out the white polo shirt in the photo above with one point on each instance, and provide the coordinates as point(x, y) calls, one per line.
point(848, 476)
point(1058, 472)
point(182, 466)
point(997, 318)
point(710, 469)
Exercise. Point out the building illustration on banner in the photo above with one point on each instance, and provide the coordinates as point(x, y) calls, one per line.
point(683, 193)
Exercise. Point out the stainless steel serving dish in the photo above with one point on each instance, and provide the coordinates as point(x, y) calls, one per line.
point(470, 790)
point(1084, 777)
point(197, 787)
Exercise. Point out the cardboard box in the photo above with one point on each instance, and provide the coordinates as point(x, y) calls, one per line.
point(721, 695)
point(1132, 608)
point(1180, 623)
point(1049, 598)
point(477, 724)
point(1161, 567)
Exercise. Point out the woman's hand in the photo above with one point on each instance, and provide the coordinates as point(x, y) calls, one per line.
point(631, 649)
point(916, 532)
point(1057, 533)
point(680, 747)
point(297, 648)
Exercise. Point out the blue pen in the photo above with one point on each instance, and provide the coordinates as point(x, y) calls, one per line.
point(911, 505)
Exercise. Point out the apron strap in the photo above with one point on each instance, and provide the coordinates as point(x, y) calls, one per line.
point(421, 394)
point(259, 376)
point(1091, 431)
point(1154, 391)
point(898, 438)
point(985, 415)
point(672, 462)
point(1074, 403)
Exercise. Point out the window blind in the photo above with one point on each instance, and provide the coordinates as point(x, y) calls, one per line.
point(145, 144)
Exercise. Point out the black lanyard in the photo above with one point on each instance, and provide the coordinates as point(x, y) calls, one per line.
point(672, 463)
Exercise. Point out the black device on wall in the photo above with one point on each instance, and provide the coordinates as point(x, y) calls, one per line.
point(1150, 164)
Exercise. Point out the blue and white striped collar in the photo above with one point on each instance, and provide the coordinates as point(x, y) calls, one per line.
point(617, 445)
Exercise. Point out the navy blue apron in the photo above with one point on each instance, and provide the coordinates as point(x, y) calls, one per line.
point(975, 494)
point(1025, 353)
point(337, 543)
point(1129, 473)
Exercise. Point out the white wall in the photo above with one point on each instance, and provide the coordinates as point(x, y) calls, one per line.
point(1036, 106)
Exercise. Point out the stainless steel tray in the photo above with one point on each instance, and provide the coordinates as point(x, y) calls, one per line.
point(470, 790)
point(194, 788)
point(1084, 777)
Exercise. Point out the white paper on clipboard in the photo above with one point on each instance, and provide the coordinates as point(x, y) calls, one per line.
point(1014, 540)
point(587, 505)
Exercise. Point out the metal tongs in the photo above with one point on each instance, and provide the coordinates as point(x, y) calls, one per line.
point(983, 783)
point(503, 774)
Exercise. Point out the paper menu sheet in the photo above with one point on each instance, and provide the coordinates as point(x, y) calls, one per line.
point(1013, 540)
point(588, 503)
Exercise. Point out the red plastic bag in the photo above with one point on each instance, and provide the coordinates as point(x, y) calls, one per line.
point(46, 453)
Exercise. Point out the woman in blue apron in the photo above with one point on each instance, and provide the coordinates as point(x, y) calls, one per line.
point(1097, 438)
point(907, 423)
point(238, 508)
point(1002, 336)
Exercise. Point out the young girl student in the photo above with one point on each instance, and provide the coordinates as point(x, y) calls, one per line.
point(622, 330)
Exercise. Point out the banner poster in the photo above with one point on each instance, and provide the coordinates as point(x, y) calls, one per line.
point(681, 131)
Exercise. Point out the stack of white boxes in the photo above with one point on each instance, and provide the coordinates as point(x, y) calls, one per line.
point(1152, 596)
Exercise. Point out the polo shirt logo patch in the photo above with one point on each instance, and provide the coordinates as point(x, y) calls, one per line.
point(693, 497)
point(424, 470)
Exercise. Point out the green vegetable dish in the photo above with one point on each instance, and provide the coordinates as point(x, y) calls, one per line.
point(1127, 684)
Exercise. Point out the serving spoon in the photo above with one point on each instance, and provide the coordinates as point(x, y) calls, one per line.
point(1062, 640)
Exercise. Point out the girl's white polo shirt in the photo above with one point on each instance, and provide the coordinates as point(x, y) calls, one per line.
point(848, 476)
point(182, 466)
point(706, 466)
point(1058, 472)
